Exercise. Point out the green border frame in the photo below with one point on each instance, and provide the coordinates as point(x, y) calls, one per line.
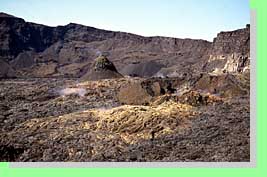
point(259, 171)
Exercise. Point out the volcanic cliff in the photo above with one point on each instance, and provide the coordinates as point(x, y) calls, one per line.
point(34, 50)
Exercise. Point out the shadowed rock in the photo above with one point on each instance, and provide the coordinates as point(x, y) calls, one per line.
point(144, 69)
point(6, 71)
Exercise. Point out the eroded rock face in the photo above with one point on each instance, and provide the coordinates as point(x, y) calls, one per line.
point(17, 36)
point(237, 64)
point(232, 42)
point(232, 51)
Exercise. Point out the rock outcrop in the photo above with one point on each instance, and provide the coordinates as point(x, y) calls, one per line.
point(102, 68)
point(134, 94)
point(230, 52)
point(225, 85)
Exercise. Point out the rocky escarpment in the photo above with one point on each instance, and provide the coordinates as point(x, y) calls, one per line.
point(35, 50)
point(18, 36)
point(230, 52)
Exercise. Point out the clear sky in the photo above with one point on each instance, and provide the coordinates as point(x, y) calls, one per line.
point(197, 19)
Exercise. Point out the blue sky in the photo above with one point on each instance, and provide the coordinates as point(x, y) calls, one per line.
point(197, 19)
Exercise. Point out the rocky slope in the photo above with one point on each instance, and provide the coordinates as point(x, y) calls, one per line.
point(6, 70)
point(34, 50)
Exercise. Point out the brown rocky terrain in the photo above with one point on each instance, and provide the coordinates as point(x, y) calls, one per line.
point(77, 93)
point(62, 120)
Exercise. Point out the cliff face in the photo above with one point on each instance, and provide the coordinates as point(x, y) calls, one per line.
point(35, 50)
point(17, 36)
point(231, 50)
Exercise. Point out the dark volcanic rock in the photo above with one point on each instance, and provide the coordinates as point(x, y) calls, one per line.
point(144, 69)
point(17, 36)
point(102, 68)
point(4, 15)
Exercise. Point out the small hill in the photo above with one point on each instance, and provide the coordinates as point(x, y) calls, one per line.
point(102, 68)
